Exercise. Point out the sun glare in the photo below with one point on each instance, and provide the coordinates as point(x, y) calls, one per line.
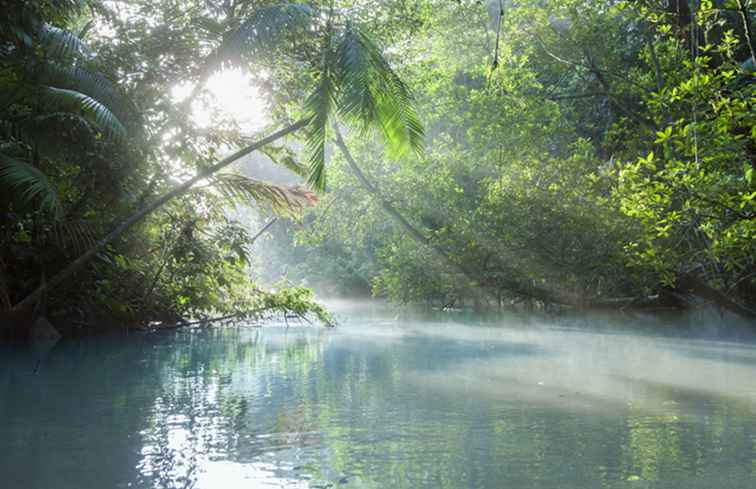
point(233, 96)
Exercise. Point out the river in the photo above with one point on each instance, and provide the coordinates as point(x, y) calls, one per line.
point(388, 399)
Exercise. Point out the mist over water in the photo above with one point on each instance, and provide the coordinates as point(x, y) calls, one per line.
point(389, 399)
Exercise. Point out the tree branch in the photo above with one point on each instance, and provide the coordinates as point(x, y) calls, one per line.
point(121, 227)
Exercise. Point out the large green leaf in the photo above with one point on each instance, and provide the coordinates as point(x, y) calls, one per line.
point(31, 182)
point(61, 44)
point(84, 81)
point(357, 81)
point(319, 107)
point(72, 101)
point(352, 78)
point(373, 95)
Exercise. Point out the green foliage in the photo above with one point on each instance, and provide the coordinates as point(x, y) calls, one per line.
point(356, 81)
point(31, 182)
point(352, 77)
point(298, 301)
point(606, 152)
point(61, 100)
point(75, 162)
point(601, 158)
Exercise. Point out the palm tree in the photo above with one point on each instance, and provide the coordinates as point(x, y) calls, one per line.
point(354, 83)
point(49, 75)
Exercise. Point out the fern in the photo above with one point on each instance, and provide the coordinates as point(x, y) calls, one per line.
point(34, 185)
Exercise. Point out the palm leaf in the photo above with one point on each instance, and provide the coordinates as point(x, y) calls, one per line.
point(264, 28)
point(283, 156)
point(355, 69)
point(357, 81)
point(353, 77)
point(319, 106)
point(261, 33)
point(94, 111)
point(287, 201)
point(33, 184)
point(75, 78)
point(74, 235)
point(373, 95)
point(61, 44)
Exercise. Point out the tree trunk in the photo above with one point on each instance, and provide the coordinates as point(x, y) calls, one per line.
point(120, 228)
point(689, 283)
point(419, 237)
point(745, 16)
point(680, 12)
point(389, 208)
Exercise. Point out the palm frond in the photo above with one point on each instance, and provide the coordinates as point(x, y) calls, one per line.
point(261, 32)
point(357, 81)
point(263, 29)
point(286, 201)
point(283, 156)
point(373, 95)
point(319, 108)
point(355, 70)
point(84, 81)
point(76, 236)
point(61, 44)
point(34, 186)
point(97, 113)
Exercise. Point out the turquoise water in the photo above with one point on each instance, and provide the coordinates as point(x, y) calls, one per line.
point(386, 400)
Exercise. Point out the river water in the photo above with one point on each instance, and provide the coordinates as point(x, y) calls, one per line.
point(389, 399)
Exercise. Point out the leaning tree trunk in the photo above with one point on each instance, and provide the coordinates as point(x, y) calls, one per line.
point(122, 226)
point(416, 235)
point(389, 208)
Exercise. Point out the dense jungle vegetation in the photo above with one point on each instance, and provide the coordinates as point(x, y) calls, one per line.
point(574, 152)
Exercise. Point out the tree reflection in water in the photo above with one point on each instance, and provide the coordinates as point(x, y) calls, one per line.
point(416, 402)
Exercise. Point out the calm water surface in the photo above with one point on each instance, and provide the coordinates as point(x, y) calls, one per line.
point(387, 400)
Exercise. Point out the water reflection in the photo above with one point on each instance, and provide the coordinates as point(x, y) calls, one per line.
point(383, 401)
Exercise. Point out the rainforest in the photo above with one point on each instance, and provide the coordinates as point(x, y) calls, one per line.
point(554, 153)
point(521, 203)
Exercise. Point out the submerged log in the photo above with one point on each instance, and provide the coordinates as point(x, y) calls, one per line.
point(22, 325)
point(16, 324)
point(43, 331)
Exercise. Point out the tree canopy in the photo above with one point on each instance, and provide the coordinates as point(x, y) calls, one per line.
point(555, 152)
